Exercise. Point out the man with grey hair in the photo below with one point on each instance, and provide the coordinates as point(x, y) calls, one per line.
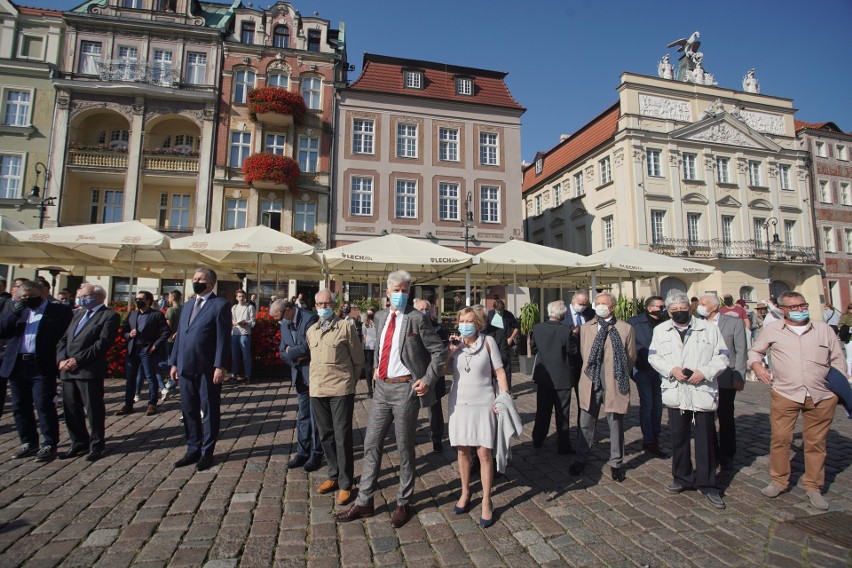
point(732, 379)
point(82, 362)
point(608, 351)
point(554, 376)
point(409, 361)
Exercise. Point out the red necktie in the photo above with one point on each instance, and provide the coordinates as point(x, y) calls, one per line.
point(386, 347)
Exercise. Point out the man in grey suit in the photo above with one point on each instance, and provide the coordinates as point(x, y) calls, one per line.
point(409, 361)
point(82, 362)
point(732, 379)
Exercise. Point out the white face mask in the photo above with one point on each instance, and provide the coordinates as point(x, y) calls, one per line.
point(702, 311)
point(602, 311)
point(578, 309)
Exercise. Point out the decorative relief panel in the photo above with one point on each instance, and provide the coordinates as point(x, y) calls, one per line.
point(722, 133)
point(763, 122)
point(618, 156)
point(662, 107)
point(78, 106)
point(590, 173)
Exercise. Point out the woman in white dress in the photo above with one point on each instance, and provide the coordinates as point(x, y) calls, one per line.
point(475, 362)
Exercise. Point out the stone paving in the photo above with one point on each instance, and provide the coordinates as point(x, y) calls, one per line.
point(133, 508)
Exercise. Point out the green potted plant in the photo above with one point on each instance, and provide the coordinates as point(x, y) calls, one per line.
point(530, 315)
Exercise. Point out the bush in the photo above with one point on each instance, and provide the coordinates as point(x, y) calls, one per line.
point(274, 168)
point(265, 340)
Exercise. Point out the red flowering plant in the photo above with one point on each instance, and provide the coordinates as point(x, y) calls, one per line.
point(265, 340)
point(117, 354)
point(276, 99)
point(308, 237)
point(270, 167)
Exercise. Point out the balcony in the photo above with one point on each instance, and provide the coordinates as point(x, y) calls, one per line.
point(719, 248)
point(170, 162)
point(270, 171)
point(161, 74)
point(276, 106)
point(97, 158)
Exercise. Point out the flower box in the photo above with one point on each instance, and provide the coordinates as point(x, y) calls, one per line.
point(275, 119)
point(272, 170)
point(276, 105)
point(308, 237)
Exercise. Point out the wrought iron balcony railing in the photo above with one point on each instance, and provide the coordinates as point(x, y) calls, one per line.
point(720, 248)
point(162, 74)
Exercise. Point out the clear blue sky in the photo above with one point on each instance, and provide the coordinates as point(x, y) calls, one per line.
point(564, 57)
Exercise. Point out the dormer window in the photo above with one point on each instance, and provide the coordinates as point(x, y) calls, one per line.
point(281, 36)
point(247, 33)
point(132, 4)
point(464, 86)
point(538, 166)
point(314, 37)
point(413, 79)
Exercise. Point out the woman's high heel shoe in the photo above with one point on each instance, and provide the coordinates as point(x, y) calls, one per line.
point(462, 510)
point(485, 523)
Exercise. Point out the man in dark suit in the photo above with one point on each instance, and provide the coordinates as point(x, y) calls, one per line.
point(200, 360)
point(409, 361)
point(146, 331)
point(503, 326)
point(33, 327)
point(578, 313)
point(82, 359)
point(647, 379)
point(554, 376)
point(436, 412)
point(295, 353)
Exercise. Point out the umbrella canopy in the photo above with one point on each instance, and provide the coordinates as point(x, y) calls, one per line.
point(373, 259)
point(34, 254)
point(528, 262)
point(618, 261)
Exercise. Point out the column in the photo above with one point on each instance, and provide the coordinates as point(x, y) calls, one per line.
point(134, 159)
point(202, 186)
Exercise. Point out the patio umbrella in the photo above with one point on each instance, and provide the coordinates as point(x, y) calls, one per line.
point(34, 254)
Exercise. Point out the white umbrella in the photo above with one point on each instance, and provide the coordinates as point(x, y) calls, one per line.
point(643, 264)
point(34, 254)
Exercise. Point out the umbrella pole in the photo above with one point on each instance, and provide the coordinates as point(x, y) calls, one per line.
point(594, 284)
point(515, 291)
point(634, 289)
point(467, 287)
point(441, 300)
point(258, 278)
point(132, 269)
point(541, 301)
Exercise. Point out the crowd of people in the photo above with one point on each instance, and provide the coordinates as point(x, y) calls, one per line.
point(688, 355)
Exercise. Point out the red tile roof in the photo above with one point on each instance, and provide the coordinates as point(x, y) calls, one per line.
point(829, 126)
point(382, 74)
point(599, 130)
point(26, 10)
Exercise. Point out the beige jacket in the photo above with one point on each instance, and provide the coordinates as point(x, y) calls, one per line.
point(614, 401)
point(337, 359)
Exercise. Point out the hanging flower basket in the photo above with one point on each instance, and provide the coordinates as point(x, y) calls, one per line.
point(308, 237)
point(270, 171)
point(276, 105)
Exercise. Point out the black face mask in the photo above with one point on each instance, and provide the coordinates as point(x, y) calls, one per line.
point(656, 313)
point(33, 303)
point(681, 317)
point(199, 287)
point(347, 310)
point(141, 304)
point(370, 316)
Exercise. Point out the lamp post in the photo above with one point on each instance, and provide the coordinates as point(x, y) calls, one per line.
point(468, 221)
point(776, 241)
point(36, 196)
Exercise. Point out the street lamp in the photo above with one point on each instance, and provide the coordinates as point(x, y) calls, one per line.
point(36, 196)
point(776, 241)
point(468, 221)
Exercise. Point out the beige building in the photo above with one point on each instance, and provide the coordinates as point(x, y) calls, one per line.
point(688, 169)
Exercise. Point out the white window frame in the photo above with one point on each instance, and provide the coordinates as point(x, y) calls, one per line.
point(270, 210)
point(608, 232)
point(270, 82)
point(605, 170)
point(449, 201)
point(723, 169)
point(102, 201)
point(363, 136)
point(406, 140)
point(828, 240)
point(361, 196)
point(20, 118)
point(163, 66)
point(405, 199)
point(757, 225)
point(413, 79)
point(448, 144)
point(539, 165)
point(305, 216)
point(89, 57)
point(557, 195)
point(244, 80)
point(489, 204)
point(824, 191)
point(275, 143)
point(128, 62)
point(180, 210)
point(727, 229)
point(236, 210)
point(537, 207)
point(489, 149)
point(845, 193)
point(309, 154)
point(464, 86)
point(693, 228)
point(11, 183)
point(658, 225)
point(196, 68)
point(578, 185)
point(311, 89)
point(821, 149)
point(25, 36)
point(654, 159)
point(784, 177)
point(690, 171)
point(789, 232)
point(754, 174)
point(842, 152)
point(242, 146)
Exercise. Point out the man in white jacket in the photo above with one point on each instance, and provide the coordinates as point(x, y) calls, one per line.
point(689, 353)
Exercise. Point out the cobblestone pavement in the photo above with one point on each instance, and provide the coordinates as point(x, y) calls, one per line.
point(134, 508)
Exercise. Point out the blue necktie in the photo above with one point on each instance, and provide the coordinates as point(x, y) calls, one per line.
point(579, 320)
point(83, 322)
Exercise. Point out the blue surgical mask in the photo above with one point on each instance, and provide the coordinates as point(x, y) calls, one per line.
point(799, 317)
point(88, 303)
point(285, 321)
point(325, 313)
point(467, 329)
point(399, 300)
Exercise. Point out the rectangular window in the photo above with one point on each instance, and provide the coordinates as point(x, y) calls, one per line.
point(413, 80)
point(128, 63)
point(406, 199)
point(247, 33)
point(693, 228)
point(538, 166)
point(658, 232)
point(276, 143)
point(464, 86)
point(690, 172)
point(557, 194)
point(789, 231)
point(448, 201)
point(90, 56)
point(578, 185)
point(448, 141)
point(489, 204)
point(845, 193)
point(131, 4)
point(362, 136)
point(406, 140)
point(308, 154)
point(162, 68)
point(179, 211)
point(608, 232)
point(16, 108)
point(727, 229)
point(281, 37)
point(842, 153)
point(821, 150)
point(314, 37)
point(106, 206)
point(488, 149)
point(31, 47)
point(280, 80)
point(605, 171)
point(757, 225)
point(723, 172)
point(270, 213)
point(824, 191)
point(11, 176)
point(311, 92)
point(306, 216)
point(828, 239)
point(754, 173)
point(243, 82)
point(538, 204)
point(362, 196)
point(236, 213)
point(655, 168)
point(784, 176)
point(240, 148)
point(848, 247)
point(196, 68)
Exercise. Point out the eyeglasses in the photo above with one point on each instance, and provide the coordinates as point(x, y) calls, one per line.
point(797, 307)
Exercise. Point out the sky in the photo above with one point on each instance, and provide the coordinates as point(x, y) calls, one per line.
point(564, 57)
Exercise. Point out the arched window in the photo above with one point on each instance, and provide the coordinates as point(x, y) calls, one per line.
point(281, 36)
point(312, 92)
point(671, 283)
point(278, 79)
point(778, 287)
point(180, 142)
point(747, 293)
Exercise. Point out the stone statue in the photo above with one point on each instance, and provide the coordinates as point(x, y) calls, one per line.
point(709, 79)
point(689, 46)
point(750, 82)
point(665, 70)
point(697, 75)
point(713, 110)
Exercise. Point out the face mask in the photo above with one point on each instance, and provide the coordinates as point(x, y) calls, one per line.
point(370, 316)
point(681, 317)
point(467, 329)
point(347, 310)
point(141, 304)
point(199, 287)
point(655, 313)
point(602, 311)
point(33, 303)
point(325, 313)
point(799, 317)
point(578, 309)
point(88, 303)
point(399, 299)
point(285, 321)
point(424, 312)
point(702, 311)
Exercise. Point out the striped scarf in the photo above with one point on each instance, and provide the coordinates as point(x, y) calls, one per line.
point(596, 357)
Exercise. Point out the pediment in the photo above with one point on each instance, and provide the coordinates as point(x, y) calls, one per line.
point(695, 199)
point(760, 204)
point(557, 221)
point(658, 197)
point(790, 209)
point(725, 130)
point(578, 213)
point(729, 201)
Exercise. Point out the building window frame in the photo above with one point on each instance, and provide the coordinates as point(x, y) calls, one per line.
point(236, 213)
point(18, 112)
point(314, 41)
point(723, 169)
point(841, 152)
point(608, 224)
point(489, 149)
point(11, 175)
point(275, 143)
point(557, 195)
point(449, 200)
point(361, 196)
point(693, 228)
point(25, 47)
point(406, 140)
point(196, 68)
point(90, 54)
point(690, 169)
point(605, 170)
point(828, 240)
point(305, 216)
point(824, 191)
point(658, 226)
point(274, 79)
point(239, 148)
point(489, 204)
point(311, 90)
point(309, 154)
point(413, 79)
point(281, 36)
point(784, 177)
point(448, 144)
point(464, 86)
point(247, 31)
point(363, 136)
point(579, 189)
point(654, 159)
point(106, 205)
point(754, 173)
point(244, 80)
point(789, 232)
point(405, 199)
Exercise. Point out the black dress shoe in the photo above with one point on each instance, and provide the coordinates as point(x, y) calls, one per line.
point(654, 449)
point(297, 461)
point(312, 465)
point(354, 513)
point(94, 455)
point(46, 453)
point(74, 451)
point(188, 459)
point(577, 468)
point(569, 451)
point(617, 474)
point(205, 462)
point(437, 447)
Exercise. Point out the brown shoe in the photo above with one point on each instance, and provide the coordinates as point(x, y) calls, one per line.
point(343, 496)
point(125, 410)
point(327, 486)
point(401, 515)
point(151, 411)
point(354, 513)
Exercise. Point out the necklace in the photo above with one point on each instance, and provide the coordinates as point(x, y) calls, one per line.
point(467, 359)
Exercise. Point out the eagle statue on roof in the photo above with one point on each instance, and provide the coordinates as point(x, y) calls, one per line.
point(688, 45)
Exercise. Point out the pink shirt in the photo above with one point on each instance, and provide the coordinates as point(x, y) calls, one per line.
point(800, 363)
